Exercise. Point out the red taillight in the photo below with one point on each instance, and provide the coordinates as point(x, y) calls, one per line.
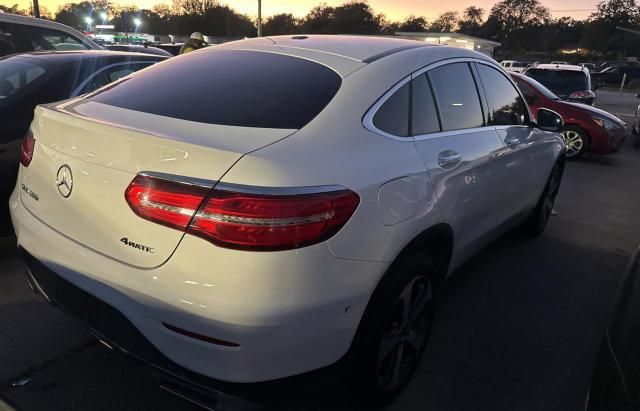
point(26, 149)
point(264, 222)
point(165, 202)
point(239, 220)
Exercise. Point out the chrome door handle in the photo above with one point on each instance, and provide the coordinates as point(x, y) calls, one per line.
point(511, 141)
point(448, 158)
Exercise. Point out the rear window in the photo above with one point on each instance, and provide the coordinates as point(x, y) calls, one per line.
point(560, 79)
point(229, 87)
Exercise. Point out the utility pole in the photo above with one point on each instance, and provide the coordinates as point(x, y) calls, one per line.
point(259, 18)
point(36, 9)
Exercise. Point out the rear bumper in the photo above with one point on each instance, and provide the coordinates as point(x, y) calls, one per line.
point(290, 313)
point(113, 329)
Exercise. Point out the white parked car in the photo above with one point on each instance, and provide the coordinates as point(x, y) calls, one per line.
point(21, 34)
point(293, 210)
point(512, 65)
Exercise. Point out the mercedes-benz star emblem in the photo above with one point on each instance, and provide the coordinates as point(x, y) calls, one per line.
point(64, 181)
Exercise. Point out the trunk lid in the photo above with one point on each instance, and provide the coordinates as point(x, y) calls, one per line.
point(100, 149)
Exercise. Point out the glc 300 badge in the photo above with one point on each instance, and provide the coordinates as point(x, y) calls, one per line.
point(64, 181)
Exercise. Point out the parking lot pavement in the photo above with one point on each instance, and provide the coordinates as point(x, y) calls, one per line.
point(622, 105)
point(517, 327)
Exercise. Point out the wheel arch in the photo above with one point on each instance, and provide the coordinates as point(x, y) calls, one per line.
point(578, 124)
point(436, 241)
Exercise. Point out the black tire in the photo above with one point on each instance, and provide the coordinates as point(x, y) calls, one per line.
point(538, 221)
point(577, 141)
point(383, 327)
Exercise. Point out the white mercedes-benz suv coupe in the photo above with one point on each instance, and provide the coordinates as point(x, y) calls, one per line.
point(272, 207)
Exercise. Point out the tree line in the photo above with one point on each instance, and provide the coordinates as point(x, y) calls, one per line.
point(521, 26)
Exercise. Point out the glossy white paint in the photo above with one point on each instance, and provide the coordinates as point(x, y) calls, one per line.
point(290, 311)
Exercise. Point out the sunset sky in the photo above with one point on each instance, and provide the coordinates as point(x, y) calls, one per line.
point(394, 9)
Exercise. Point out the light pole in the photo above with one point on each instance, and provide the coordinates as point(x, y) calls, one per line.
point(137, 23)
point(36, 9)
point(88, 20)
point(259, 18)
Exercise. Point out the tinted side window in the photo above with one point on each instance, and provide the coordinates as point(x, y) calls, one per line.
point(393, 116)
point(505, 104)
point(424, 115)
point(457, 96)
point(11, 41)
point(240, 88)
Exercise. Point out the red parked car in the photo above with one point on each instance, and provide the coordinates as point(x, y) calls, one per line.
point(586, 128)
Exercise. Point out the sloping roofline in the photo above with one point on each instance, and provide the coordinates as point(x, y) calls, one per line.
point(363, 49)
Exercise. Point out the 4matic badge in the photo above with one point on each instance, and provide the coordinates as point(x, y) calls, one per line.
point(137, 246)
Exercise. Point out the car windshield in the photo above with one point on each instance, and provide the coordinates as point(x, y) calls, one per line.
point(517, 64)
point(17, 75)
point(230, 87)
point(560, 79)
point(542, 89)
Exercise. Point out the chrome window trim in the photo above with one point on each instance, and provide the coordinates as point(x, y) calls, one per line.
point(367, 120)
point(97, 73)
point(504, 127)
point(448, 133)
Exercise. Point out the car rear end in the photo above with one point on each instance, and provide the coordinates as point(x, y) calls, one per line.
point(124, 221)
point(571, 83)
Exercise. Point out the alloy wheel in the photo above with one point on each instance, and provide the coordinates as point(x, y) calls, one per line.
point(405, 334)
point(573, 141)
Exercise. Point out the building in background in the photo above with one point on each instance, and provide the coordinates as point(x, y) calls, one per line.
point(454, 40)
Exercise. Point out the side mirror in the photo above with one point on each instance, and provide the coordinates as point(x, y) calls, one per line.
point(638, 95)
point(549, 120)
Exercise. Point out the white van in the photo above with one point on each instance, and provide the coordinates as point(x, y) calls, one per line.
point(512, 65)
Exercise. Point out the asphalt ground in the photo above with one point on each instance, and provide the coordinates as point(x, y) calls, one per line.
point(517, 327)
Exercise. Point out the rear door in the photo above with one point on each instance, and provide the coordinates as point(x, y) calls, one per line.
point(460, 155)
point(509, 115)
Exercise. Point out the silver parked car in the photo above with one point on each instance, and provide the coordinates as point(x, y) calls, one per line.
point(294, 209)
